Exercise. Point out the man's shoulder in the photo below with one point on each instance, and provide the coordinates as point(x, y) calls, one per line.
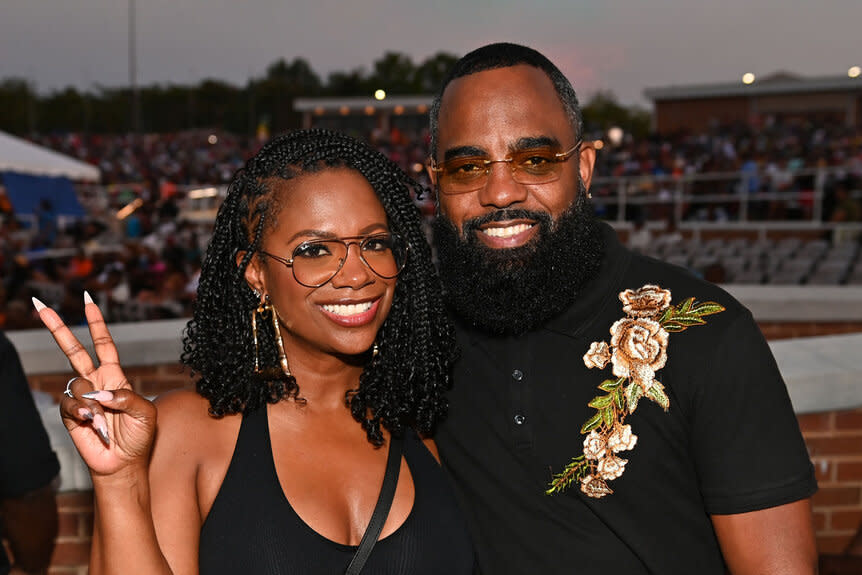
point(681, 282)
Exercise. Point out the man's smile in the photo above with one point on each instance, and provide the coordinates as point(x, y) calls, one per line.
point(507, 234)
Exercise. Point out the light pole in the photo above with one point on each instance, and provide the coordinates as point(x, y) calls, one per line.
point(133, 71)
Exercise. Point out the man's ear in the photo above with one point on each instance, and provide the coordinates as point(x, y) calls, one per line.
point(587, 163)
point(435, 189)
point(432, 175)
point(253, 271)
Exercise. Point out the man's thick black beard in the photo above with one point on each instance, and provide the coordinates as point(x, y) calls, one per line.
point(512, 291)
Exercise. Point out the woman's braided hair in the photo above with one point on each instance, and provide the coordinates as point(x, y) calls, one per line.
point(405, 384)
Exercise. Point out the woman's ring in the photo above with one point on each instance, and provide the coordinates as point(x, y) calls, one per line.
point(69, 386)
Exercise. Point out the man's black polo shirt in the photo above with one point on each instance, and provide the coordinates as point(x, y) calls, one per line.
point(730, 442)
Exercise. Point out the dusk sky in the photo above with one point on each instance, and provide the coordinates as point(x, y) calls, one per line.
point(619, 45)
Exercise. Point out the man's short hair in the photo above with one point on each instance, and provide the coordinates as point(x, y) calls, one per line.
point(505, 55)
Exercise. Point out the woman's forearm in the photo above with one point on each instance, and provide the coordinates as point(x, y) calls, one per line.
point(124, 537)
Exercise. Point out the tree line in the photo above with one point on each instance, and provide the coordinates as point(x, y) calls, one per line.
point(219, 105)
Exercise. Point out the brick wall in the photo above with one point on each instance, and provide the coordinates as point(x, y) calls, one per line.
point(786, 330)
point(834, 441)
point(72, 551)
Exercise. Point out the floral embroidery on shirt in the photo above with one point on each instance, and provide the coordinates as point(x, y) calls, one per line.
point(638, 349)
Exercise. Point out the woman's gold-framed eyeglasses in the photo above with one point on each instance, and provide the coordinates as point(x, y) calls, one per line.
point(316, 262)
point(540, 165)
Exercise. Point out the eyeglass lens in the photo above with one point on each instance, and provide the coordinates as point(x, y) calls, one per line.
point(531, 166)
point(316, 262)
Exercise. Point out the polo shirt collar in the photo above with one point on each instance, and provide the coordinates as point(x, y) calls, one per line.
point(597, 293)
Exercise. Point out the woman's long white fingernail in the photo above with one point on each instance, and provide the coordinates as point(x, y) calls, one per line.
point(87, 298)
point(38, 305)
point(101, 426)
point(100, 395)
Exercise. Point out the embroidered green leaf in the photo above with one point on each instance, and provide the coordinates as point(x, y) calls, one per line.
point(608, 416)
point(601, 401)
point(633, 394)
point(685, 306)
point(592, 423)
point(690, 317)
point(667, 313)
point(611, 384)
point(576, 470)
point(657, 394)
point(707, 308)
point(680, 323)
point(619, 399)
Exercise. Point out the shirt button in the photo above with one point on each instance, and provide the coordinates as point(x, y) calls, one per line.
point(517, 375)
point(520, 419)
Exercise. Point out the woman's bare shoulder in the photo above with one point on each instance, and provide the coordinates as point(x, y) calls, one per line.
point(181, 404)
point(183, 414)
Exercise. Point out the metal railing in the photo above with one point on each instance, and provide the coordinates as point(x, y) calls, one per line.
point(738, 193)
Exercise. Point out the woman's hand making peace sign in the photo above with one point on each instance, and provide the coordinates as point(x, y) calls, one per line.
point(112, 426)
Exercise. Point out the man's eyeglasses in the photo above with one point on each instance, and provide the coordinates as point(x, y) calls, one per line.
point(316, 262)
point(530, 166)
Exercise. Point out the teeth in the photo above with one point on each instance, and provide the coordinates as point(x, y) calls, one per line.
point(348, 310)
point(508, 231)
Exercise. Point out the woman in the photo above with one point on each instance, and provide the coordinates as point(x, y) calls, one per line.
point(318, 334)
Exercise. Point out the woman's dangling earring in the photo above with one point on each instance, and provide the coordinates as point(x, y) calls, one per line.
point(375, 352)
point(282, 357)
point(260, 309)
point(265, 307)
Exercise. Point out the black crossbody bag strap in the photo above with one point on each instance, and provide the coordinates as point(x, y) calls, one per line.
point(381, 510)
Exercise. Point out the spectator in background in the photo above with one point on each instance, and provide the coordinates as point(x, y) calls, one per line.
point(27, 467)
point(640, 237)
point(847, 208)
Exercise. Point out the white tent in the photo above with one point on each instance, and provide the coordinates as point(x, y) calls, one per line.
point(17, 155)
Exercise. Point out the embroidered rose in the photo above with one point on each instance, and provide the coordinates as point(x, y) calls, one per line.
point(647, 301)
point(598, 356)
point(595, 486)
point(640, 349)
point(611, 467)
point(595, 446)
point(637, 349)
point(622, 438)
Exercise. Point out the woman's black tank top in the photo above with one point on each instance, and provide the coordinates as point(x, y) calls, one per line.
point(253, 529)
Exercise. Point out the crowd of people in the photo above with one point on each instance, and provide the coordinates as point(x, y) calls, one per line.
point(145, 265)
point(779, 160)
point(771, 152)
point(148, 274)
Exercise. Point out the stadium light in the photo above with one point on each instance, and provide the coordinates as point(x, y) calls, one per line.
point(854, 71)
point(380, 95)
point(748, 78)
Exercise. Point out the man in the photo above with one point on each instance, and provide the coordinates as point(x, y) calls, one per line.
point(720, 480)
point(28, 508)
